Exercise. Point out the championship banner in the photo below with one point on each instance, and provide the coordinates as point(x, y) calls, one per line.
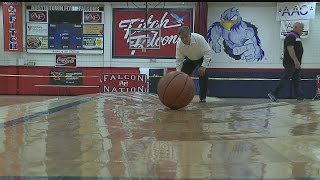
point(12, 26)
point(168, 20)
point(287, 26)
point(295, 10)
point(66, 60)
point(124, 82)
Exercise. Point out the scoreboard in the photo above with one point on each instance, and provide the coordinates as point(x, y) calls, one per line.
point(65, 36)
point(64, 29)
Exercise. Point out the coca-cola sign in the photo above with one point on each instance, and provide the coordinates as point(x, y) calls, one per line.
point(65, 60)
point(37, 16)
point(168, 20)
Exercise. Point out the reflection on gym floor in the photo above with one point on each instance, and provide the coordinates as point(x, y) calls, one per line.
point(104, 136)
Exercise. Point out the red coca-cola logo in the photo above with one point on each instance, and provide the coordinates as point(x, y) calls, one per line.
point(66, 60)
point(93, 17)
point(38, 16)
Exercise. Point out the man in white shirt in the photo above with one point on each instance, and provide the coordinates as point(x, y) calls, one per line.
point(193, 50)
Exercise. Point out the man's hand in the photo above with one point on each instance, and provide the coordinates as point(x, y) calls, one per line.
point(202, 71)
point(297, 64)
point(293, 57)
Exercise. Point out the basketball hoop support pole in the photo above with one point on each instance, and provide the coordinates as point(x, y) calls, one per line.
point(146, 18)
point(146, 14)
point(146, 22)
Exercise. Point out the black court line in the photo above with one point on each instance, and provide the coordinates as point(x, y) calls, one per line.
point(39, 114)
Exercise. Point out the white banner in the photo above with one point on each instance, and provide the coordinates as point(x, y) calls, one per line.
point(92, 42)
point(287, 26)
point(37, 29)
point(295, 10)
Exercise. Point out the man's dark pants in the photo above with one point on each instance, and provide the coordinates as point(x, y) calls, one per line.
point(290, 72)
point(188, 67)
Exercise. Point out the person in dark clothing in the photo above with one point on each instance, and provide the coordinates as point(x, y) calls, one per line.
point(293, 51)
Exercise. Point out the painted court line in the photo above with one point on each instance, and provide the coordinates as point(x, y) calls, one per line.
point(42, 113)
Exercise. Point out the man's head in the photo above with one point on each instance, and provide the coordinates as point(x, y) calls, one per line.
point(298, 27)
point(185, 34)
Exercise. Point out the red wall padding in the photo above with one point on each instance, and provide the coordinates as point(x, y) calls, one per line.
point(8, 85)
point(25, 85)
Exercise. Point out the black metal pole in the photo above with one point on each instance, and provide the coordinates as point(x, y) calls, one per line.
point(146, 21)
point(146, 14)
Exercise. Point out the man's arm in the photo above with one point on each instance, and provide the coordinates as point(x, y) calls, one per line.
point(207, 53)
point(292, 54)
point(179, 58)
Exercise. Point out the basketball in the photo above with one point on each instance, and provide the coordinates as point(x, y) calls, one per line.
point(176, 90)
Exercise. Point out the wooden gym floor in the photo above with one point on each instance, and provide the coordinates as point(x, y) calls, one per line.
point(133, 136)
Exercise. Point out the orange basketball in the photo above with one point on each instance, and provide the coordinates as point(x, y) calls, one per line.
point(176, 90)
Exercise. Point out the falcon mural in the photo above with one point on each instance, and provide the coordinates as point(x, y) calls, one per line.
point(240, 38)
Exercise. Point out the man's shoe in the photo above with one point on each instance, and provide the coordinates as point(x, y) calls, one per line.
point(300, 99)
point(272, 97)
point(202, 101)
